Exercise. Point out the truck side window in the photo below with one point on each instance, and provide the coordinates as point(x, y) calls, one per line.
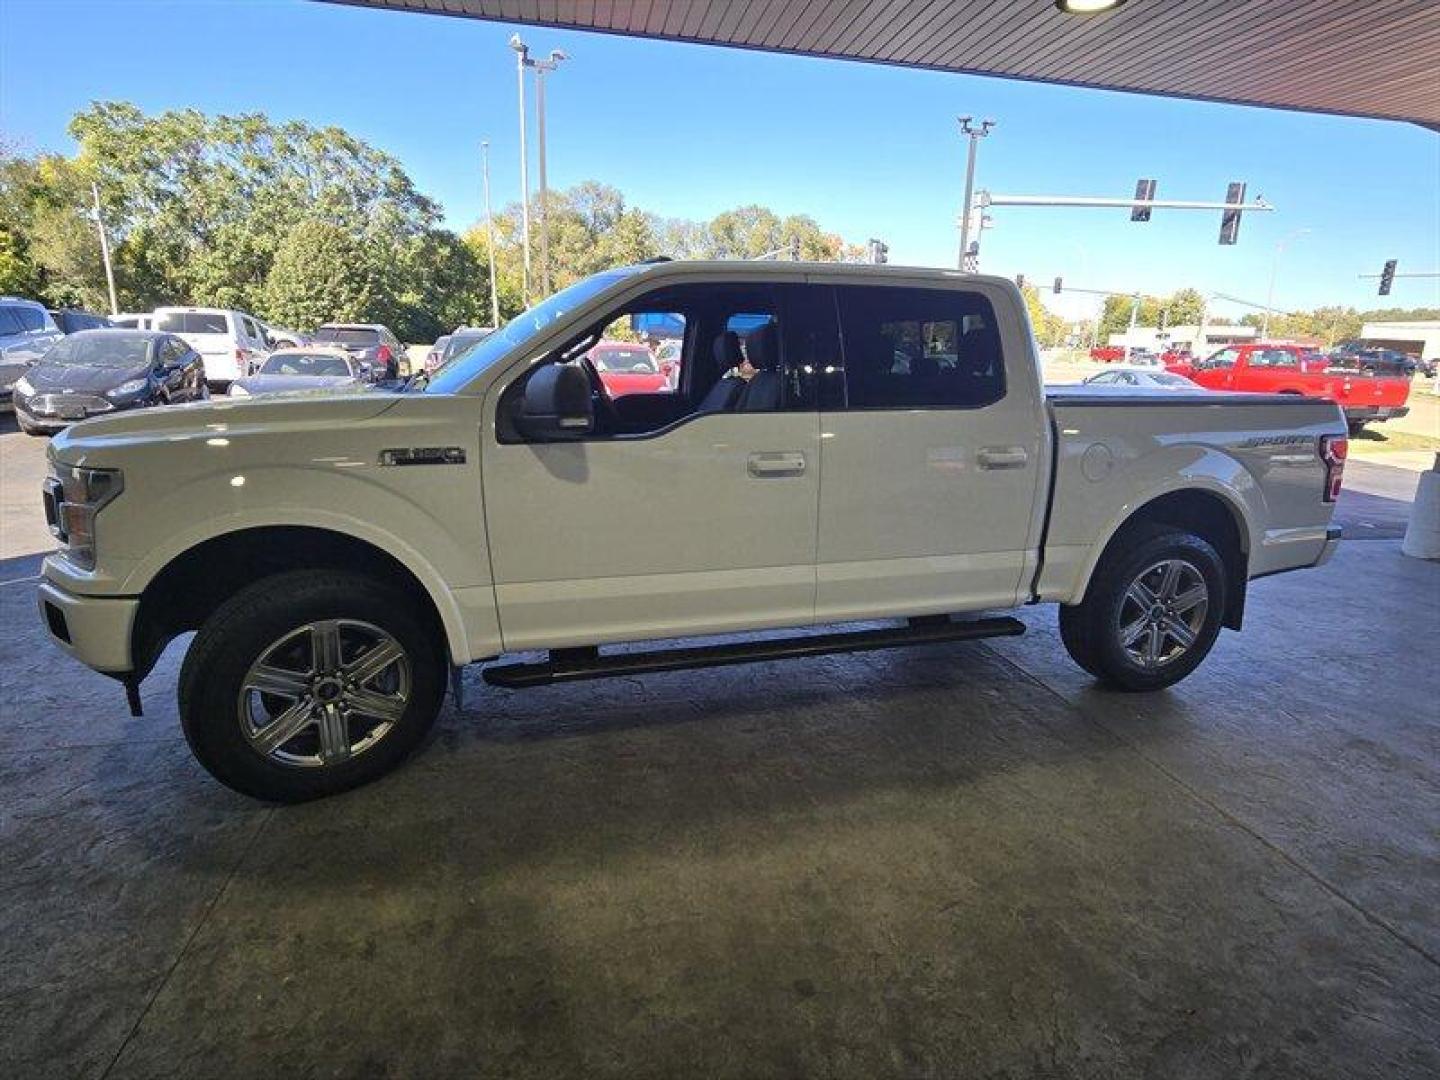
point(680, 353)
point(1274, 358)
point(919, 348)
point(1223, 359)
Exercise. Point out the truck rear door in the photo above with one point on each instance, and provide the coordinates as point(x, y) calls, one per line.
point(933, 454)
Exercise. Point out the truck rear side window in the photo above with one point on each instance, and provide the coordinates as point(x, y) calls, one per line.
point(919, 348)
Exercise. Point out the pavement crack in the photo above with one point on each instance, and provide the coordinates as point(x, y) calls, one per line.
point(1228, 815)
point(189, 940)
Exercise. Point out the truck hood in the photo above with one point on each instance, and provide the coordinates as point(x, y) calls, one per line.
point(174, 423)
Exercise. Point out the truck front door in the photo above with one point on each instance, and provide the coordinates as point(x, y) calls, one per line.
point(690, 509)
point(933, 460)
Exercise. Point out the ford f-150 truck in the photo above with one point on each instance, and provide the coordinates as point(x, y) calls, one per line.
point(1292, 369)
point(891, 458)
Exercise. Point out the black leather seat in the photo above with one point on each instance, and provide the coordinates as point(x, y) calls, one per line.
point(765, 391)
point(725, 394)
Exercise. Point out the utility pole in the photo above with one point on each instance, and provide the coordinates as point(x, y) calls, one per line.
point(1274, 268)
point(543, 68)
point(522, 53)
point(974, 134)
point(490, 236)
point(104, 248)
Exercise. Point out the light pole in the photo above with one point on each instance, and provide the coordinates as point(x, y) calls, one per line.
point(104, 248)
point(543, 68)
point(975, 135)
point(1274, 268)
point(522, 54)
point(490, 235)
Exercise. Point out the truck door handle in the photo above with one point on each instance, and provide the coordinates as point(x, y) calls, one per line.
point(777, 464)
point(1002, 457)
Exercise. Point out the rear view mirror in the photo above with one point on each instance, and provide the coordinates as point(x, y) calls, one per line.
point(557, 405)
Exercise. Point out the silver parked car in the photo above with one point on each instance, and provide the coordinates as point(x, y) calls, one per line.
point(310, 367)
point(26, 332)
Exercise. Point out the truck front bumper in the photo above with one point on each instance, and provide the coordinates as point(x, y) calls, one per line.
point(94, 629)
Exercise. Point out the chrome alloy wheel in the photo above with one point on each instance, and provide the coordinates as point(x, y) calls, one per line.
point(324, 692)
point(1163, 612)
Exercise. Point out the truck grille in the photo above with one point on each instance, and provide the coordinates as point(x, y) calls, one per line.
point(67, 406)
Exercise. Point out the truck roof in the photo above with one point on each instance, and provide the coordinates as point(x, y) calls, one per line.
point(784, 270)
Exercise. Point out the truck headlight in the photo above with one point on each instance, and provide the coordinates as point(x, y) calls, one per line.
point(73, 497)
point(23, 387)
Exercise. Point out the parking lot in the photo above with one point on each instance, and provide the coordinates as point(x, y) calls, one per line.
point(950, 860)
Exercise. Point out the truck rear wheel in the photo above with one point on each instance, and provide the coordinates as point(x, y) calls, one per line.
point(1152, 611)
point(309, 683)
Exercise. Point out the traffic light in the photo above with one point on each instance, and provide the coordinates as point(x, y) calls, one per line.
point(1387, 276)
point(1144, 189)
point(1057, 286)
point(1230, 219)
point(879, 252)
point(1020, 281)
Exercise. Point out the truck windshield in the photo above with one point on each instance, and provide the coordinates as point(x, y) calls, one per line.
point(524, 327)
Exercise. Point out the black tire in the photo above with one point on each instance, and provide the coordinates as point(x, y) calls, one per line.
point(239, 631)
point(1090, 630)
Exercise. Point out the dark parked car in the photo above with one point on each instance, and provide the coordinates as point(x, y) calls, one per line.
point(71, 320)
point(305, 368)
point(96, 372)
point(1374, 360)
point(370, 343)
point(463, 339)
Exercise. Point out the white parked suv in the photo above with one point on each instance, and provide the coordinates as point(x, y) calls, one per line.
point(842, 443)
point(231, 343)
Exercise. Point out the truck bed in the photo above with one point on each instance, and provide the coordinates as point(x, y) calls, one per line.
point(1120, 447)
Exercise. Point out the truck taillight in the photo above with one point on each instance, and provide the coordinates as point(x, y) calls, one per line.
point(1334, 449)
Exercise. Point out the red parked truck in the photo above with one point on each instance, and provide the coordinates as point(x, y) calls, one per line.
point(1268, 368)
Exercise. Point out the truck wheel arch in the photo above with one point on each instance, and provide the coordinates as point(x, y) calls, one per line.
point(1207, 513)
point(196, 581)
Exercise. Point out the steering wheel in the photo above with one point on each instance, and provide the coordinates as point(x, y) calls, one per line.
point(607, 417)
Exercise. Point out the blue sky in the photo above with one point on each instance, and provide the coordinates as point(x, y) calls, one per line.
point(688, 131)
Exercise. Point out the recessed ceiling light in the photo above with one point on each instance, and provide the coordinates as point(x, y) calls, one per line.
point(1086, 7)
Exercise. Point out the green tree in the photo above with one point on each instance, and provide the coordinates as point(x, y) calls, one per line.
point(1184, 307)
point(320, 273)
point(213, 198)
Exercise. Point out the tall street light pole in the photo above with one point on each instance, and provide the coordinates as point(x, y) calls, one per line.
point(1274, 269)
point(490, 235)
point(522, 54)
point(975, 135)
point(543, 68)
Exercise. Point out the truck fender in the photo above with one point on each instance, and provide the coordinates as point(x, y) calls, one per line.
point(1209, 484)
point(440, 593)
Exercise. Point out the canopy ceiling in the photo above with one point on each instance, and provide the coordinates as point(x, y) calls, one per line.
point(1377, 58)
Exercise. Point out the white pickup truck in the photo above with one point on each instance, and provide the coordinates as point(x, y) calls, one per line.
point(841, 444)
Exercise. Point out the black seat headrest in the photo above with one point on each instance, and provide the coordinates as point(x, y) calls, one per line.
point(762, 347)
point(727, 352)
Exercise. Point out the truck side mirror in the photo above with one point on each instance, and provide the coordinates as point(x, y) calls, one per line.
point(557, 405)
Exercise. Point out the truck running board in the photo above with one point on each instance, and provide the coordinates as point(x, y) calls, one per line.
point(571, 665)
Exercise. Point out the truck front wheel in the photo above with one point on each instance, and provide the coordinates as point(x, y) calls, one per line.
point(1152, 611)
point(310, 682)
